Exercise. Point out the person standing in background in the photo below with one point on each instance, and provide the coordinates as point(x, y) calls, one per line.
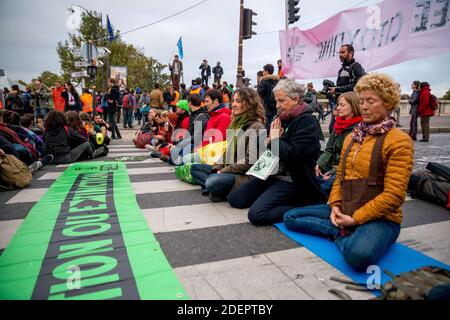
point(176, 71)
point(414, 102)
point(58, 101)
point(205, 72)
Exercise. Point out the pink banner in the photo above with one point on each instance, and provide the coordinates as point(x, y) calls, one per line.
point(385, 34)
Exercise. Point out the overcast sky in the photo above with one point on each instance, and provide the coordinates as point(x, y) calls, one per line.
point(30, 31)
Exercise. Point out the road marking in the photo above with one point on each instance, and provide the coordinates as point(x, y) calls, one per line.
point(131, 172)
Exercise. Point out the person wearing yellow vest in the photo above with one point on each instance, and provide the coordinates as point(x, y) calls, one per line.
point(86, 100)
point(176, 97)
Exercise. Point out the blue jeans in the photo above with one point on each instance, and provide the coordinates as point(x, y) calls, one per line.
point(220, 184)
point(361, 249)
point(216, 184)
point(326, 185)
point(127, 117)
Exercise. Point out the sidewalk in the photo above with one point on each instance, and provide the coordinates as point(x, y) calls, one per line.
point(439, 124)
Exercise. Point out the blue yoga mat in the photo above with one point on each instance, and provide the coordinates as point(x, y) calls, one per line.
point(397, 259)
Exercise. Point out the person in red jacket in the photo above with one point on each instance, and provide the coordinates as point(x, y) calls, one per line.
point(220, 118)
point(425, 111)
point(58, 100)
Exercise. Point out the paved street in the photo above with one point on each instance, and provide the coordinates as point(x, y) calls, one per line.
point(213, 249)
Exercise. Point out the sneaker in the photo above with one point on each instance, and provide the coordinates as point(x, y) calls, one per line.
point(165, 158)
point(150, 147)
point(216, 198)
point(48, 159)
point(155, 154)
point(105, 153)
point(35, 166)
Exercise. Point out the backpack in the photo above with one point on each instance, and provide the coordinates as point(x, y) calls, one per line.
point(14, 172)
point(415, 285)
point(183, 173)
point(143, 139)
point(16, 104)
point(432, 185)
point(127, 102)
point(434, 104)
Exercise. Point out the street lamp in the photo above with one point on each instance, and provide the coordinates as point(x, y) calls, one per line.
point(71, 10)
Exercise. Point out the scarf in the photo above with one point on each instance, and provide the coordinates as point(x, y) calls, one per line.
point(342, 124)
point(363, 129)
point(239, 122)
point(293, 113)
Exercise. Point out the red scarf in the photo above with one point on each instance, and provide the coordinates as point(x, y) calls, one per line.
point(342, 124)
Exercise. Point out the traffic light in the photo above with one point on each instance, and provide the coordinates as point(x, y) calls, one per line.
point(248, 24)
point(293, 10)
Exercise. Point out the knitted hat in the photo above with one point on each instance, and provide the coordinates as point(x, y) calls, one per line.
point(183, 105)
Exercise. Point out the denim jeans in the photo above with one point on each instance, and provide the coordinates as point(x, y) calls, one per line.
point(361, 249)
point(220, 184)
point(127, 117)
point(201, 172)
point(326, 185)
point(216, 184)
point(413, 125)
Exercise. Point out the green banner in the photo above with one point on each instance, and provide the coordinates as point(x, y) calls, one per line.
point(87, 239)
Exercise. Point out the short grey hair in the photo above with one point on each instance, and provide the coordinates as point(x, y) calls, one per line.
point(291, 88)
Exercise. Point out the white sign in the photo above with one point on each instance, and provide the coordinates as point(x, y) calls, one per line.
point(267, 165)
point(81, 64)
point(103, 52)
point(80, 74)
point(76, 52)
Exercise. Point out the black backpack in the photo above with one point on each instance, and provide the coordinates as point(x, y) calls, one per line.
point(432, 185)
point(15, 104)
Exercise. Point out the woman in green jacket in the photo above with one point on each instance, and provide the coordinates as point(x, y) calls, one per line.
point(348, 116)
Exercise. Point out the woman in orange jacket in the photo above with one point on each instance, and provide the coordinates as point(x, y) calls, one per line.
point(364, 213)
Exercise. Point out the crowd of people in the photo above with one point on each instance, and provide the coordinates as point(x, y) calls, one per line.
point(351, 192)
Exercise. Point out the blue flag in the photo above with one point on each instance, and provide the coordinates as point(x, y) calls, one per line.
point(110, 29)
point(180, 48)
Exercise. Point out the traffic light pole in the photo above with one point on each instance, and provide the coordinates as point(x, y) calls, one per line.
point(239, 81)
point(286, 20)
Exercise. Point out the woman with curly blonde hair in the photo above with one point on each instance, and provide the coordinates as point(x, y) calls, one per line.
point(364, 213)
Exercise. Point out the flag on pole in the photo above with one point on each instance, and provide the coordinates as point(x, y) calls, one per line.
point(180, 48)
point(110, 29)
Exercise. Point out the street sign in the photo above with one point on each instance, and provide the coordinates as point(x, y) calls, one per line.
point(80, 74)
point(76, 52)
point(81, 64)
point(89, 51)
point(103, 52)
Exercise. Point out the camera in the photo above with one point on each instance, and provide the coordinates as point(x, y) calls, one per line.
point(327, 84)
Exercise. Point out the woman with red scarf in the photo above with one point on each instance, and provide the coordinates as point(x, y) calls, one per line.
point(348, 116)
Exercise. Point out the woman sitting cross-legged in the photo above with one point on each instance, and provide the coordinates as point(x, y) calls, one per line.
point(364, 213)
point(242, 148)
point(296, 132)
point(348, 116)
